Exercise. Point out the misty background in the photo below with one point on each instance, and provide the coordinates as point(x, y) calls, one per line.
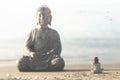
point(87, 28)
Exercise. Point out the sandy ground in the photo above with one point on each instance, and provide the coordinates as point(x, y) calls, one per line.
point(71, 72)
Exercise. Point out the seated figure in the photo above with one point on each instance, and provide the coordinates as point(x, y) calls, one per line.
point(42, 46)
point(96, 66)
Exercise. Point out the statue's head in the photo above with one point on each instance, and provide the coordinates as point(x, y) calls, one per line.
point(43, 16)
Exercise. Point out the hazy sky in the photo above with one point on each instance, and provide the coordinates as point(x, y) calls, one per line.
point(71, 18)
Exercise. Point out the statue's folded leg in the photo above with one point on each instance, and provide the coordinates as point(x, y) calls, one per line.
point(56, 64)
point(24, 63)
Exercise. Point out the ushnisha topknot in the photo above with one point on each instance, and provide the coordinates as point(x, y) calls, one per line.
point(44, 9)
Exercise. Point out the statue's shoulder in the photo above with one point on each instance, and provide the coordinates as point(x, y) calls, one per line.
point(53, 30)
point(33, 30)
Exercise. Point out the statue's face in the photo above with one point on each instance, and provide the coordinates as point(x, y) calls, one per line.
point(43, 19)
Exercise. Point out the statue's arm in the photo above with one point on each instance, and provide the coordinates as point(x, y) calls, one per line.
point(57, 44)
point(28, 47)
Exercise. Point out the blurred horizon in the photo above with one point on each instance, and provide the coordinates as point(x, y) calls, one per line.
point(87, 28)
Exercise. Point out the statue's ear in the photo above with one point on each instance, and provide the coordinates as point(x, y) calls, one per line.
point(50, 19)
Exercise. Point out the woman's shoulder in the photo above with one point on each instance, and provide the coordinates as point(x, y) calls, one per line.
point(97, 64)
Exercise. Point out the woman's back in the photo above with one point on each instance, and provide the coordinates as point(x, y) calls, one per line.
point(96, 66)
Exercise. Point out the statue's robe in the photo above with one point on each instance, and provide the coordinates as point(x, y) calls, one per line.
point(47, 46)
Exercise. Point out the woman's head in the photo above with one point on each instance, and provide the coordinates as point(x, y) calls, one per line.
point(96, 60)
point(43, 16)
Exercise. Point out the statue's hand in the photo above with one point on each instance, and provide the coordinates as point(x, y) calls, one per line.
point(52, 54)
point(33, 54)
point(36, 55)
